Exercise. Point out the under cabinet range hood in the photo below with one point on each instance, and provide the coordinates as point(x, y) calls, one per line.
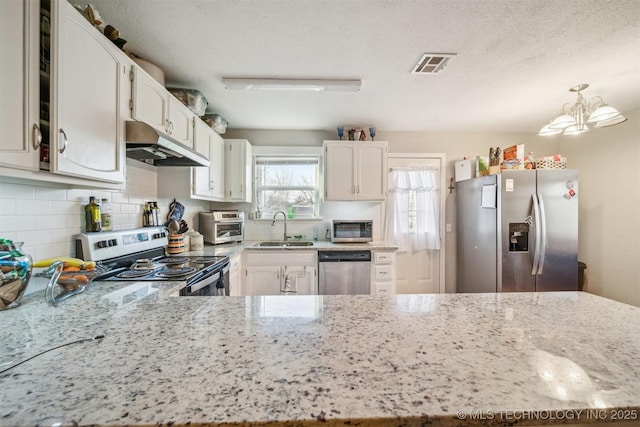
point(152, 146)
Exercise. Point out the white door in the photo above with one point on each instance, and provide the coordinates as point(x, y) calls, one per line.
point(421, 271)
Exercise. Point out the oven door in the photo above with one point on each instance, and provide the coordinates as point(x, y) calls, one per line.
point(216, 283)
point(228, 232)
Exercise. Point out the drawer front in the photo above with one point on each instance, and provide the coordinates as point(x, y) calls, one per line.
point(383, 257)
point(383, 272)
point(282, 258)
point(384, 289)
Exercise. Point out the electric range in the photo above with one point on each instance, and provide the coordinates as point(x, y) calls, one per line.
point(139, 255)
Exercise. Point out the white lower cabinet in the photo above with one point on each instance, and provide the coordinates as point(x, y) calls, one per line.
point(383, 272)
point(280, 273)
point(235, 275)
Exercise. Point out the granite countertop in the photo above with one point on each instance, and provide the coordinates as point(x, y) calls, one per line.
point(233, 248)
point(300, 360)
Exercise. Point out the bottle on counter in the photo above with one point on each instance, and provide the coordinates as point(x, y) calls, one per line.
point(154, 213)
point(106, 215)
point(93, 217)
point(147, 218)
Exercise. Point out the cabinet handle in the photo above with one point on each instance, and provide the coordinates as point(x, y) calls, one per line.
point(66, 141)
point(166, 125)
point(37, 137)
point(354, 190)
point(358, 189)
point(170, 127)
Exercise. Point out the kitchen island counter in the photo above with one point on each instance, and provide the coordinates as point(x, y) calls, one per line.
point(499, 359)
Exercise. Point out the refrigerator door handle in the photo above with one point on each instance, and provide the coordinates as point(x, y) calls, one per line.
point(537, 226)
point(543, 247)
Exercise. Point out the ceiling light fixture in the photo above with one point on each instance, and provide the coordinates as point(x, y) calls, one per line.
point(573, 119)
point(308, 85)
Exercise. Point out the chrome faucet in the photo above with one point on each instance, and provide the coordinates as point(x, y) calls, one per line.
point(273, 223)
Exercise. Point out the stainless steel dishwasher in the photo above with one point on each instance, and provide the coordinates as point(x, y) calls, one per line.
point(344, 272)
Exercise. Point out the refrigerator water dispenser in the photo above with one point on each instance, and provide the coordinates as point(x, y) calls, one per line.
point(518, 237)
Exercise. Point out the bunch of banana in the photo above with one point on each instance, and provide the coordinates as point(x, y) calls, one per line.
point(68, 263)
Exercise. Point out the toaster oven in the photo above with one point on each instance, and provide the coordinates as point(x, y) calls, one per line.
point(222, 226)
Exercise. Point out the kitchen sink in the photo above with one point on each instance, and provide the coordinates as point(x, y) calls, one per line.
point(285, 243)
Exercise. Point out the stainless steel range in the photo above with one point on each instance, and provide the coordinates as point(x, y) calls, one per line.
point(139, 255)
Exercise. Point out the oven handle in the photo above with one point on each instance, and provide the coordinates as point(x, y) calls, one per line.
point(202, 283)
point(207, 280)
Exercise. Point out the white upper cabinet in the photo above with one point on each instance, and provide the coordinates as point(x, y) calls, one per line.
point(208, 182)
point(238, 174)
point(155, 106)
point(181, 120)
point(216, 170)
point(150, 101)
point(87, 126)
point(20, 133)
point(355, 170)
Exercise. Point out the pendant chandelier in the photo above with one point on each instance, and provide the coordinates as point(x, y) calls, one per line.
point(573, 119)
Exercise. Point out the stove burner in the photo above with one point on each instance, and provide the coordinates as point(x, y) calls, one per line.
point(131, 274)
point(205, 260)
point(174, 260)
point(175, 272)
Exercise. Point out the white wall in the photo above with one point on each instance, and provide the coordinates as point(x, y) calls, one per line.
point(608, 161)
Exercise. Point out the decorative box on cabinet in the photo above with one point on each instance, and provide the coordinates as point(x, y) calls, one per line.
point(355, 170)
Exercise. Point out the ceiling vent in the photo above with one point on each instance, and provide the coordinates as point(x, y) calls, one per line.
point(432, 63)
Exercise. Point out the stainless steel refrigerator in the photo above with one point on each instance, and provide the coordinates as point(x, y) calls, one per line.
point(518, 231)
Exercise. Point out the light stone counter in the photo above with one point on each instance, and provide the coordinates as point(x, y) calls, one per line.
point(234, 248)
point(525, 358)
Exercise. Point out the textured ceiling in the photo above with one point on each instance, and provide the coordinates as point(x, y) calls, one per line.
point(516, 59)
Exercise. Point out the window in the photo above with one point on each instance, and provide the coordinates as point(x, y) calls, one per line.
point(284, 182)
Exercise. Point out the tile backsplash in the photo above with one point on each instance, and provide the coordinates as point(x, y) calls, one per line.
point(46, 216)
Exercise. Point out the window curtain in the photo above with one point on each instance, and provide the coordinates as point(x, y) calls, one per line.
point(425, 233)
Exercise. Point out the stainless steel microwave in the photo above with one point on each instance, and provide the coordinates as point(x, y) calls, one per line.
point(351, 231)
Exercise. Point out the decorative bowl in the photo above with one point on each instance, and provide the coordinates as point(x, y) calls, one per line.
point(63, 284)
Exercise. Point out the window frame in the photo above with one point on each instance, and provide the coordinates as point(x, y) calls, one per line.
point(291, 153)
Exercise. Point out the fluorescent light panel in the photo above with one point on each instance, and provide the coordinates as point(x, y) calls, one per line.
point(308, 85)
